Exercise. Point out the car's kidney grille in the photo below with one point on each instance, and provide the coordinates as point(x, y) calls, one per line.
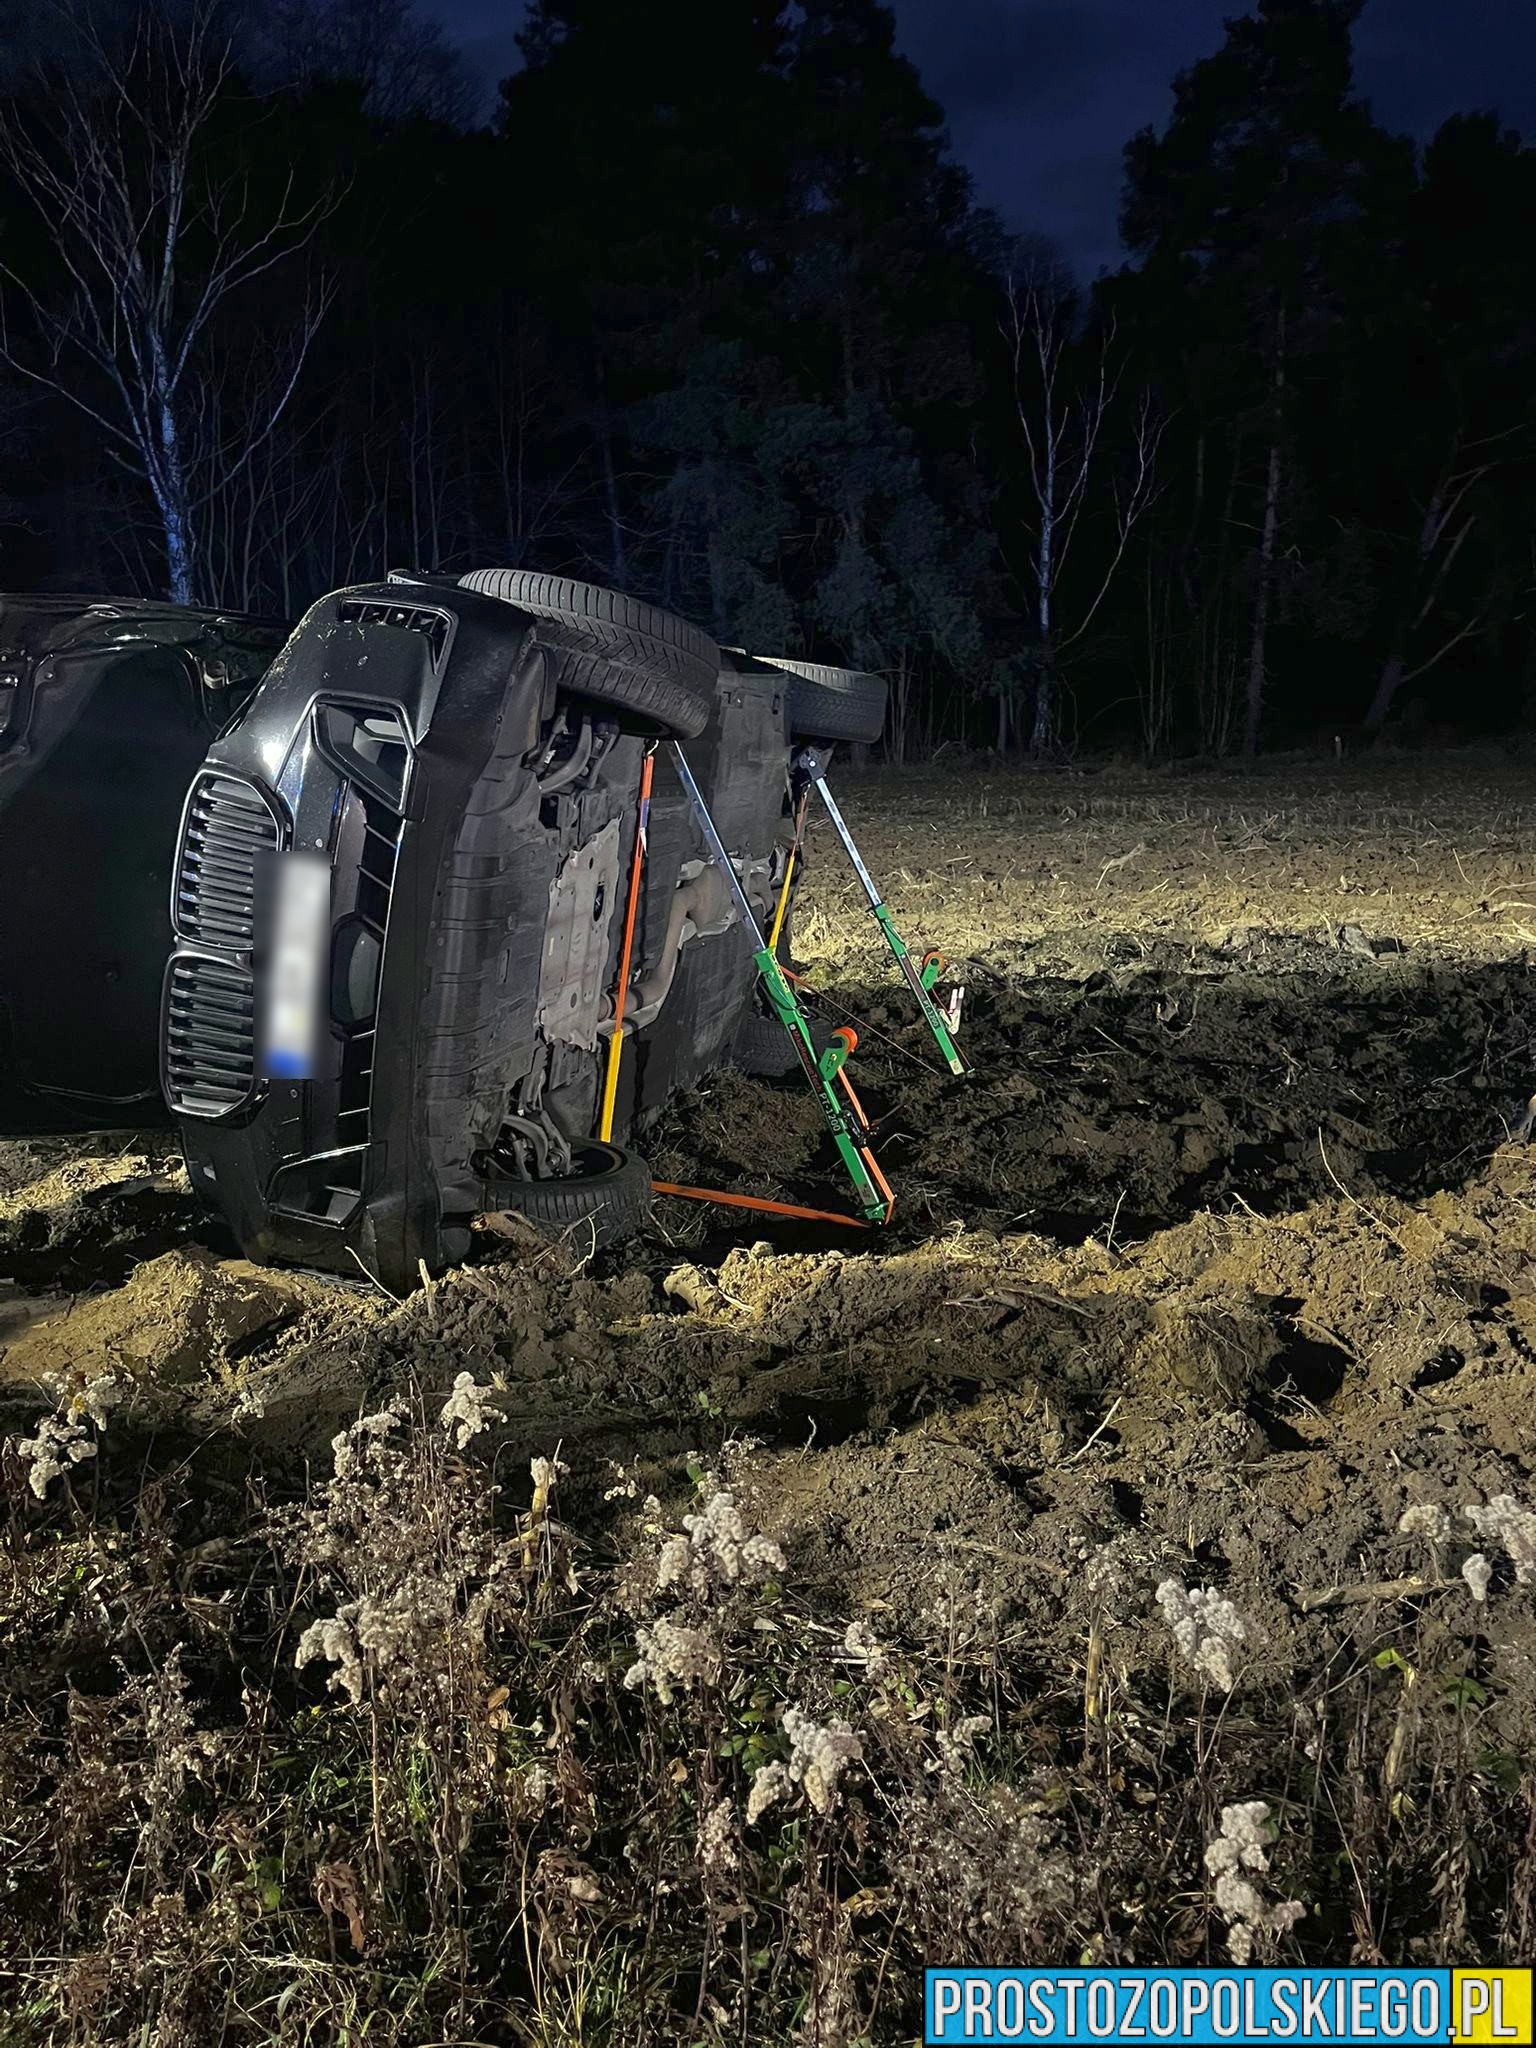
point(210, 1036)
point(228, 828)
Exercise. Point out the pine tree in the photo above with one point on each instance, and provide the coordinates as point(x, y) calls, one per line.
point(1246, 210)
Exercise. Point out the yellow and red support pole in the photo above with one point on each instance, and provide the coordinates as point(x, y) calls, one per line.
point(636, 871)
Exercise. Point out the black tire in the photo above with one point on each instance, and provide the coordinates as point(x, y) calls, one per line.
point(612, 1192)
point(832, 703)
point(761, 1046)
point(613, 648)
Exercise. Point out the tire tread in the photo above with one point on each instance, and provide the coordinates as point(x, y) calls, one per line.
point(615, 648)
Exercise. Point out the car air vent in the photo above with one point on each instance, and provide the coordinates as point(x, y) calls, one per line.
point(369, 744)
point(229, 827)
point(210, 1036)
point(327, 1189)
point(434, 627)
point(355, 969)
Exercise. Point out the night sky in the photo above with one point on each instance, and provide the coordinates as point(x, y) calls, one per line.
point(1043, 94)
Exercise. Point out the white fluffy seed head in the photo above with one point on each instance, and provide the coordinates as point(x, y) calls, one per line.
point(468, 1410)
point(1427, 1519)
point(1505, 1522)
point(1234, 1857)
point(1206, 1628)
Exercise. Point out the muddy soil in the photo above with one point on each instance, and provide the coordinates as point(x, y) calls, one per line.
point(1222, 1257)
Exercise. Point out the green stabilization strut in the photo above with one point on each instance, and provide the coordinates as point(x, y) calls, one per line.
point(820, 1070)
point(919, 979)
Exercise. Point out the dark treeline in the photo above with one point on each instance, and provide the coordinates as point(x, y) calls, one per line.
point(709, 311)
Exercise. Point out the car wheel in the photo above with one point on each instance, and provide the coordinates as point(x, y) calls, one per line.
point(832, 703)
point(615, 649)
point(762, 1048)
point(610, 1190)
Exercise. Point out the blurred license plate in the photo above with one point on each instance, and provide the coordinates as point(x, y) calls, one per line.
point(300, 929)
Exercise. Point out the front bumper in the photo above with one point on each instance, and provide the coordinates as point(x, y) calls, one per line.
point(361, 749)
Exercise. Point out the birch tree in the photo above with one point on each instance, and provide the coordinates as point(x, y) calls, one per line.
point(159, 249)
point(1444, 528)
point(1062, 411)
point(1246, 211)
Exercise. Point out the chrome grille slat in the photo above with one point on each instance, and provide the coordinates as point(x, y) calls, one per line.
point(219, 802)
point(221, 856)
point(210, 1006)
point(231, 905)
point(215, 1068)
point(196, 1032)
point(218, 868)
point(219, 878)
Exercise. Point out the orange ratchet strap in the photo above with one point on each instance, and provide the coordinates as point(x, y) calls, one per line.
point(729, 1201)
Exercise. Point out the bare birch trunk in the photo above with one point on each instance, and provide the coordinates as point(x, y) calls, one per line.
point(1254, 713)
point(1388, 683)
point(1255, 706)
point(1042, 730)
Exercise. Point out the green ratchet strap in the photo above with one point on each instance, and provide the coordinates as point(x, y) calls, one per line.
point(920, 979)
point(821, 1071)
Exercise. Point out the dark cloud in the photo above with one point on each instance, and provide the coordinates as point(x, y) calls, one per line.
point(486, 31)
point(1419, 60)
point(993, 57)
point(1042, 95)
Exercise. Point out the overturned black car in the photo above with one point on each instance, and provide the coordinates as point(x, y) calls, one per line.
point(398, 904)
point(107, 706)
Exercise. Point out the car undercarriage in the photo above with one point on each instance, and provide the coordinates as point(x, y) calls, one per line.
point(463, 756)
